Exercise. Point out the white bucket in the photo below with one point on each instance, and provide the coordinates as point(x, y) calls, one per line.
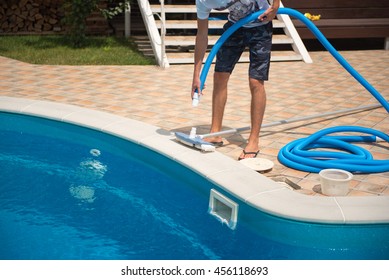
point(335, 182)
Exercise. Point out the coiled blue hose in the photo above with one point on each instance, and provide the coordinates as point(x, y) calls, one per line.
point(296, 154)
point(300, 154)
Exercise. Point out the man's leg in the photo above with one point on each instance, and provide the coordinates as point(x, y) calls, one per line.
point(226, 58)
point(258, 104)
point(219, 99)
point(260, 42)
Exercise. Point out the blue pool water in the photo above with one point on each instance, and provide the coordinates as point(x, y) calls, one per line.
point(68, 192)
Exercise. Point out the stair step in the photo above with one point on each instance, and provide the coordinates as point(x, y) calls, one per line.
point(182, 58)
point(212, 39)
point(182, 42)
point(180, 9)
point(213, 24)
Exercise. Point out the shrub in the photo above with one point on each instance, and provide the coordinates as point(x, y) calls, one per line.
point(76, 12)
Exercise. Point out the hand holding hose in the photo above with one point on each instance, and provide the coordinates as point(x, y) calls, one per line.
point(196, 91)
point(196, 86)
point(270, 13)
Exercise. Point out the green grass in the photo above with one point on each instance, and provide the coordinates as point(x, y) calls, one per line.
point(57, 50)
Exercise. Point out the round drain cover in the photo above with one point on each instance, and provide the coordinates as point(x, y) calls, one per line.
point(258, 164)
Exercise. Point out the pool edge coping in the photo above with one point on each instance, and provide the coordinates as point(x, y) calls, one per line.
point(249, 186)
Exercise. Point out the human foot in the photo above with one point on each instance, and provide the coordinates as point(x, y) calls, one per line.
point(245, 155)
point(216, 141)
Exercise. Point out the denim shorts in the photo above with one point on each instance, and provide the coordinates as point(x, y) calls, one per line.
point(258, 40)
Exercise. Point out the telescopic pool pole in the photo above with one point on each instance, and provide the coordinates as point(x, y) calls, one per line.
point(292, 120)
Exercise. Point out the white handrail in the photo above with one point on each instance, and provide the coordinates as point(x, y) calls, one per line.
point(152, 32)
point(163, 33)
point(127, 20)
point(298, 45)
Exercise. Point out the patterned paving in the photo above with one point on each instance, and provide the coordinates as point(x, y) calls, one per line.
point(161, 97)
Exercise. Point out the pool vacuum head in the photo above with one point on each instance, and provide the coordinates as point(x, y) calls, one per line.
point(194, 141)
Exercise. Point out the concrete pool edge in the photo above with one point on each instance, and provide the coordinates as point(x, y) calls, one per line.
point(240, 181)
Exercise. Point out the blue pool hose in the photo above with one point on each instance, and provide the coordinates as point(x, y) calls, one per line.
point(356, 159)
point(296, 154)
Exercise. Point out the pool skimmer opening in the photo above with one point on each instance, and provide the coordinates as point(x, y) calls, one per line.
point(223, 208)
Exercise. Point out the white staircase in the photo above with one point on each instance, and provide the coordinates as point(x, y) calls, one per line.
point(176, 24)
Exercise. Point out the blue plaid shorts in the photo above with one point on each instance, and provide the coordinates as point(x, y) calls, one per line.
point(258, 40)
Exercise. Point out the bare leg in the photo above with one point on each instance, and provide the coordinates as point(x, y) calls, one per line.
point(219, 99)
point(258, 104)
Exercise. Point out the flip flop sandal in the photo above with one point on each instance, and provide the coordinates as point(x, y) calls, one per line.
point(217, 143)
point(249, 153)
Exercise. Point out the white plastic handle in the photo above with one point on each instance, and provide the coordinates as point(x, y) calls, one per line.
point(196, 99)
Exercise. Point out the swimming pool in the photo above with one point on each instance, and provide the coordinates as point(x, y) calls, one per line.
point(69, 192)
